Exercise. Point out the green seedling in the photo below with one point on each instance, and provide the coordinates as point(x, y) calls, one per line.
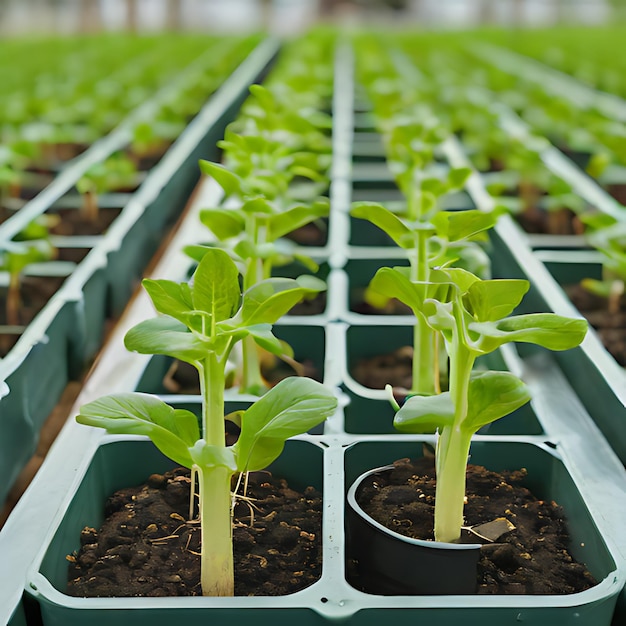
point(431, 237)
point(31, 245)
point(255, 228)
point(200, 322)
point(474, 318)
point(114, 173)
point(609, 238)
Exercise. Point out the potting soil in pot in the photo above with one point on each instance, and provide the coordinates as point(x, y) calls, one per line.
point(532, 558)
point(147, 547)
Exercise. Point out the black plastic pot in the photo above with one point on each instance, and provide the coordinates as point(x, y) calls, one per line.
point(392, 564)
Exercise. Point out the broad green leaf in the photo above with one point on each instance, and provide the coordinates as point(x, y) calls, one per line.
point(216, 285)
point(292, 407)
point(223, 223)
point(169, 298)
point(457, 225)
point(491, 300)
point(425, 414)
point(549, 330)
point(463, 279)
point(287, 221)
point(173, 431)
point(434, 186)
point(457, 177)
point(164, 335)
point(264, 338)
point(258, 205)
point(229, 182)
point(493, 395)
point(385, 220)
point(270, 299)
point(395, 283)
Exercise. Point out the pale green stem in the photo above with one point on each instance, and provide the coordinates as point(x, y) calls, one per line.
point(425, 358)
point(453, 449)
point(217, 576)
point(216, 561)
point(212, 390)
point(252, 381)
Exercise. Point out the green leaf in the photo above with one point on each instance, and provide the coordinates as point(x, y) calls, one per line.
point(549, 330)
point(395, 283)
point(169, 298)
point(292, 407)
point(263, 337)
point(296, 217)
point(493, 395)
point(491, 300)
point(425, 414)
point(457, 177)
point(173, 431)
point(223, 223)
point(270, 299)
point(458, 225)
point(216, 285)
point(229, 182)
point(385, 220)
point(258, 205)
point(164, 335)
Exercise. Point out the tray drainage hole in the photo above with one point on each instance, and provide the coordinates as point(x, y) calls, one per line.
point(551, 444)
point(324, 600)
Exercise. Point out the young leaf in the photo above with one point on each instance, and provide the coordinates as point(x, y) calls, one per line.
point(173, 431)
point(286, 222)
point(270, 299)
point(491, 300)
point(493, 395)
point(292, 407)
point(385, 220)
point(164, 335)
point(549, 330)
point(227, 180)
point(457, 225)
point(223, 223)
point(216, 285)
point(169, 298)
point(425, 414)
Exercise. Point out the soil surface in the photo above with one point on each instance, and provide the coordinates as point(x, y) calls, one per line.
point(75, 222)
point(183, 378)
point(394, 368)
point(147, 546)
point(533, 558)
point(560, 222)
point(610, 326)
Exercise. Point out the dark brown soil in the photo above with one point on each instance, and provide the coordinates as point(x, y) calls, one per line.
point(611, 327)
point(561, 222)
point(182, 377)
point(393, 307)
point(35, 291)
point(313, 234)
point(533, 558)
point(147, 546)
point(75, 222)
point(394, 368)
point(314, 306)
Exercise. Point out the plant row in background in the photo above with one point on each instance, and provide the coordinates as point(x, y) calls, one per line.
point(90, 87)
point(248, 270)
point(72, 257)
